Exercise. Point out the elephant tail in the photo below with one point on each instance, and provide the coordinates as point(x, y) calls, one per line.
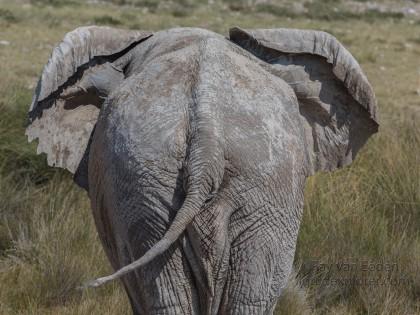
point(192, 206)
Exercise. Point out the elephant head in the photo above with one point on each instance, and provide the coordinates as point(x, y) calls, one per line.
point(204, 101)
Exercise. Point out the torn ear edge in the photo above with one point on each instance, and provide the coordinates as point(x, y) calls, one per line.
point(80, 50)
point(265, 42)
point(64, 126)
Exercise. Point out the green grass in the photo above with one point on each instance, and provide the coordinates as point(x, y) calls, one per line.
point(368, 212)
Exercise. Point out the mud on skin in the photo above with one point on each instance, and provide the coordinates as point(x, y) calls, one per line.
point(194, 149)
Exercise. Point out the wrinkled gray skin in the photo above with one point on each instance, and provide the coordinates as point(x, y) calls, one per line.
point(197, 163)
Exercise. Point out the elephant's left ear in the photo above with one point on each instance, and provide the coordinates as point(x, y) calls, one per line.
point(80, 73)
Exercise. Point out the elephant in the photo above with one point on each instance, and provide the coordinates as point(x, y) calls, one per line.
point(194, 149)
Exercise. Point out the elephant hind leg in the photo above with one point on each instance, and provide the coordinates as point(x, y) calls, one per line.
point(138, 218)
point(166, 285)
point(133, 304)
point(260, 262)
point(207, 250)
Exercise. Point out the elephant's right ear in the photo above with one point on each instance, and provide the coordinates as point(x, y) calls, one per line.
point(336, 102)
point(80, 73)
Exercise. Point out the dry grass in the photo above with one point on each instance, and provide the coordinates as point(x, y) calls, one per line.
point(369, 212)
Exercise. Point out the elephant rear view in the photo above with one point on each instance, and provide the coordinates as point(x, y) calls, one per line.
point(194, 149)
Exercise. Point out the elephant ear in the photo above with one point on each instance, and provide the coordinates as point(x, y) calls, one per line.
point(80, 73)
point(330, 86)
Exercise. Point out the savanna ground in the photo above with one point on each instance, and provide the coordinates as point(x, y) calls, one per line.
point(365, 215)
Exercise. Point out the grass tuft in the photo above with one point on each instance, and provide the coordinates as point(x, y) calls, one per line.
point(8, 16)
point(107, 20)
point(276, 10)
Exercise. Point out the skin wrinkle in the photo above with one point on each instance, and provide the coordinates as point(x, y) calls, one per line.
point(236, 124)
